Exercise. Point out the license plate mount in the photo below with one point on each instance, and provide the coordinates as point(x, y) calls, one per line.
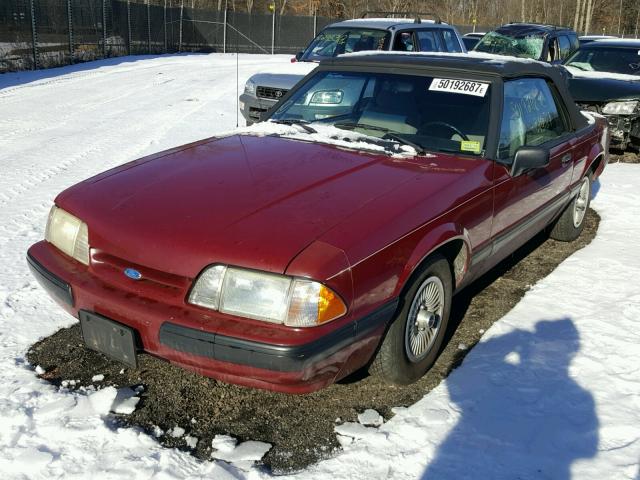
point(110, 338)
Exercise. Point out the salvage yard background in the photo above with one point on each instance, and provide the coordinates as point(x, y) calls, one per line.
point(48, 33)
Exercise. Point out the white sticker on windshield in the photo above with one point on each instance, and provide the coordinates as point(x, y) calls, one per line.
point(465, 87)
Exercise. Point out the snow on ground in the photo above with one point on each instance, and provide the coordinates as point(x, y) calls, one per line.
point(552, 391)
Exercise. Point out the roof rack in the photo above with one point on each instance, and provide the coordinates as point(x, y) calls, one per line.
point(417, 15)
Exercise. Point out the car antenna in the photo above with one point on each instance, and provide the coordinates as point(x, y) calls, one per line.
point(237, 80)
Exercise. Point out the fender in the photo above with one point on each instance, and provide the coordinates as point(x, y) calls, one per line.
point(435, 238)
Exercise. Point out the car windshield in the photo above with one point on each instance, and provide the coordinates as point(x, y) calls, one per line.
point(441, 114)
point(336, 41)
point(615, 60)
point(526, 46)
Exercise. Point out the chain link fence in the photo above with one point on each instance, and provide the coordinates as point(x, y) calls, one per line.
point(48, 33)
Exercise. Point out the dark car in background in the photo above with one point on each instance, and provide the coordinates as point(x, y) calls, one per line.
point(547, 43)
point(605, 78)
point(413, 34)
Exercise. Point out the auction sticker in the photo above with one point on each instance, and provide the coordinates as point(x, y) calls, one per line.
point(465, 87)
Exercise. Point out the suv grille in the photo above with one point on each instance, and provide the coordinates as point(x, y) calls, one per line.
point(271, 93)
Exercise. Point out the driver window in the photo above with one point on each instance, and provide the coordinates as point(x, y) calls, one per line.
point(530, 117)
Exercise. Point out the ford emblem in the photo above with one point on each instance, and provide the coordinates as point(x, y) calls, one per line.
point(132, 273)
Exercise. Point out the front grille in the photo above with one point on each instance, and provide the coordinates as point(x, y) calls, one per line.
point(271, 93)
point(154, 283)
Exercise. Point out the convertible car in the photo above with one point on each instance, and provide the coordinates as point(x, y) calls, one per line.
point(333, 236)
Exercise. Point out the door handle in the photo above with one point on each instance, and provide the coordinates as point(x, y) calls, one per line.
point(566, 158)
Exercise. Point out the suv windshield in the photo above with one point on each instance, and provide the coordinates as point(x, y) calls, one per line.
point(427, 113)
point(529, 46)
point(615, 60)
point(336, 41)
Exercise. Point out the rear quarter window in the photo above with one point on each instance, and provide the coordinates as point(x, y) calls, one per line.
point(451, 41)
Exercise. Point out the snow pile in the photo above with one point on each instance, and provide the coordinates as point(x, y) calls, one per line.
point(551, 391)
point(243, 455)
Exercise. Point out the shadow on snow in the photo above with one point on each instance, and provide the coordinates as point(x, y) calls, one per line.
point(521, 413)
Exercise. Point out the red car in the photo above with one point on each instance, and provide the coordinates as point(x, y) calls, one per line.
point(333, 236)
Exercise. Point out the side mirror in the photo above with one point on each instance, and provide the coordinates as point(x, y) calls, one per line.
point(529, 158)
point(299, 55)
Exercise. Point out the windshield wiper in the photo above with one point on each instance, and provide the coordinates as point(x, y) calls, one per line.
point(364, 126)
point(397, 138)
point(573, 65)
point(301, 123)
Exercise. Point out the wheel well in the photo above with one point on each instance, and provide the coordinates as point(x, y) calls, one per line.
point(596, 163)
point(455, 252)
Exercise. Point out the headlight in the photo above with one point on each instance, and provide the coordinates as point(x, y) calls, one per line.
point(620, 108)
point(327, 97)
point(265, 296)
point(69, 234)
point(250, 87)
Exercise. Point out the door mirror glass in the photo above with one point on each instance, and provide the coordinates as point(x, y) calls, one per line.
point(299, 55)
point(529, 158)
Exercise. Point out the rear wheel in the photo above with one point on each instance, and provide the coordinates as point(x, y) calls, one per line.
point(413, 340)
point(571, 223)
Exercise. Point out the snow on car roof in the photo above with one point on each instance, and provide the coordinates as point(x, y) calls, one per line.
point(382, 22)
point(577, 73)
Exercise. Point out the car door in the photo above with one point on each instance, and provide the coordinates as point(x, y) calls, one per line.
point(524, 204)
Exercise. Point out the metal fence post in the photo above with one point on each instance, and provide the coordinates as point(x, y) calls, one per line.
point(165, 26)
point(104, 28)
point(224, 32)
point(180, 31)
point(128, 27)
point(34, 35)
point(315, 24)
point(148, 28)
point(273, 31)
point(70, 27)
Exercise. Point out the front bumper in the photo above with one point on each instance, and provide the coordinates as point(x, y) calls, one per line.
point(180, 336)
point(252, 107)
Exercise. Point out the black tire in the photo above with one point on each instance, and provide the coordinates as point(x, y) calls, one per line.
point(393, 361)
point(567, 228)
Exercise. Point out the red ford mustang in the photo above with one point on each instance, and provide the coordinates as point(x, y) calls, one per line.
point(333, 236)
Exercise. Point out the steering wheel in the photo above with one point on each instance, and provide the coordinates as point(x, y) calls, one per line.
point(447, 125)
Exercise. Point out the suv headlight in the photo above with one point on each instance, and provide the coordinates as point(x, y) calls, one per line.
point(269, 297)
point(620, 108)
point(250, 87)
point(69, 234)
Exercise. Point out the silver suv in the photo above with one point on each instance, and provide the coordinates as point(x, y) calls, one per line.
point(263, 90)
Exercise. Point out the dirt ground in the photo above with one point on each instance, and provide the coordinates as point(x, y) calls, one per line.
point(300, 428)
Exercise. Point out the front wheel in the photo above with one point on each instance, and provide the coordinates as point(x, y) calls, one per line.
point(571, 222)
point(413, 340)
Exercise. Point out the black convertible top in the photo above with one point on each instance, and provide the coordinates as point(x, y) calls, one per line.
point(476, 62)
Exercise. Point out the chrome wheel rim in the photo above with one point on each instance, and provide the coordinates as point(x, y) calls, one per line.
point(424, 319)
point(580, 203)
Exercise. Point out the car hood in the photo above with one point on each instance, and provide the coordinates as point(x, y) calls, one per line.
point(278, 80)
point(599, 90)
point(242, 200)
